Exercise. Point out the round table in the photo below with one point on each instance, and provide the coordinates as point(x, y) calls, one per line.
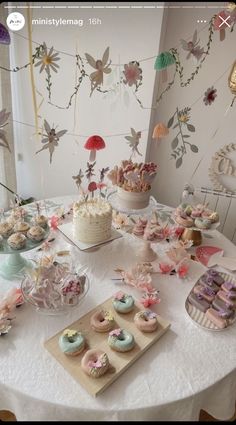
point(186, 370)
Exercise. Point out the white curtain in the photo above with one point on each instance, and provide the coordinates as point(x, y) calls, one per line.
point(7, 159)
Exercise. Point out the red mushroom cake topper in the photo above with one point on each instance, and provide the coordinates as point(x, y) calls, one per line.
point(93, 144)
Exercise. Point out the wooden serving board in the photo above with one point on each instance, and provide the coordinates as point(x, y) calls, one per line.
point(119, 361)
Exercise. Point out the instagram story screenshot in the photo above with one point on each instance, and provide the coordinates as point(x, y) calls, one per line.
point(117, 211)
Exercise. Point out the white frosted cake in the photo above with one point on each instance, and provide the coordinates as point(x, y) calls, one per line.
point(92, 220)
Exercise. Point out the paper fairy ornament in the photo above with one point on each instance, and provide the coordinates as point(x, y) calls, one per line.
point(51, 138)
point(133, 141)
point(102, 66)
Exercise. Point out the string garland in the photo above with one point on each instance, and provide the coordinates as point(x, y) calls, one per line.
point(83, 74)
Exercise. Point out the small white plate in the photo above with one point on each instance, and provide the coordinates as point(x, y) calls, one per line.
point(67, 230)
point(199, 318)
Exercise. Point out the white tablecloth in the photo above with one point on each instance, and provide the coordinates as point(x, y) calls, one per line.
point(188, 369)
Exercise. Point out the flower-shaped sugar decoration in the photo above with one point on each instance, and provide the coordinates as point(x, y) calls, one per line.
point(51, 138)
point(115, 332)
point(150, 314)
point(193, 48)
point(150, 298)
point(108, 316)
point(133, 141)
point(132, 74)
point(209, 96)
point(70, 333)
point(48, 59)
point(3, 122)
point(102, 66)
point(119, 296)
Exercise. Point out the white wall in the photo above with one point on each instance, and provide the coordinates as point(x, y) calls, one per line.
point(170, 181)
point(131, 34)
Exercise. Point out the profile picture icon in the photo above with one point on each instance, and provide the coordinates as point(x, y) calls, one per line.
point(15, 21)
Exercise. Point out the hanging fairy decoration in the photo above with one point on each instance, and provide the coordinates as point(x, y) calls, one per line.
point(51, 138)
point(133, 141)
point(3, 122)
point(102, 66)
point(193, 48)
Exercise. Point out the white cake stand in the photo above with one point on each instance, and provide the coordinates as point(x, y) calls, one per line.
point(115, 203)
point(14, 264)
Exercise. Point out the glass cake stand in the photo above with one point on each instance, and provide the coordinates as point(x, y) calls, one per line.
point(115, 203)
point(14, 264)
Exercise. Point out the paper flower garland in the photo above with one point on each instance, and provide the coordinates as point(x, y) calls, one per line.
point(160, 131)
point(132, 74)
point(3, 122)
point(133, 141)
point(193, 48)
point(102, 66)
point(93, 144)
point(210, 96)
point(47, 61)
point(163, 61)
point(179, 143)
point(4, 35)
point(51, 138)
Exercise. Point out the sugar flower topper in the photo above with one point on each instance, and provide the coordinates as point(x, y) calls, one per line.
point(119, 296)
point(108, 316)
point(115, 332)
point(150, 298)
point(102, 66)
point(99, 362)
point(48, 59)
point(51, 138)
point(133, 141)
point(210, 96)
point(3, 122)
point(70, 333)
point(193, 48)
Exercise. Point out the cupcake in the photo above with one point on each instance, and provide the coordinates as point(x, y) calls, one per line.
point(21, 227)
point(6, 229)
point(40, 220)
point(17, 241)
point(36, 233)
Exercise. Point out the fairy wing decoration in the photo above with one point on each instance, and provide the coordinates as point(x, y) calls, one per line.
point(133, 141)
point(51, 138)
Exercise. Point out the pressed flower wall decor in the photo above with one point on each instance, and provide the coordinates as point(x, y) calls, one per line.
point(181, 121)
point(209, 96)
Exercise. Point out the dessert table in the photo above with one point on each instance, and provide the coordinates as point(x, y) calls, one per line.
point(188, 369)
